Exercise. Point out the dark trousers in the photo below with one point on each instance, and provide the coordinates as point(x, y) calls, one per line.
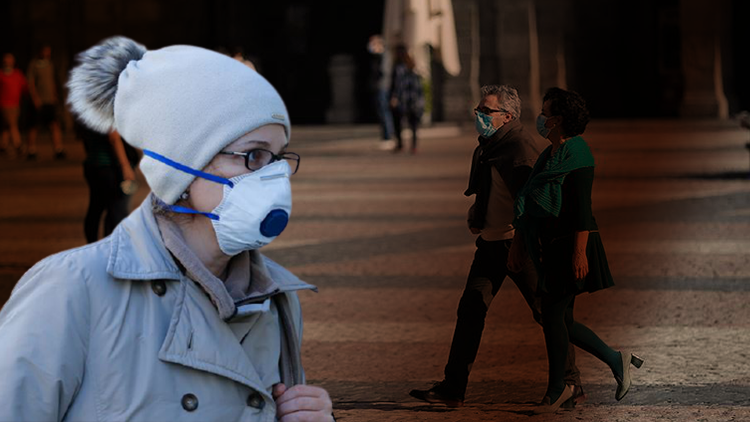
point(384, 113)
point(488, 271)
point(412, 118)
point(105, 197)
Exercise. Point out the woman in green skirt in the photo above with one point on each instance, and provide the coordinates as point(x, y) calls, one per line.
point(556, 227)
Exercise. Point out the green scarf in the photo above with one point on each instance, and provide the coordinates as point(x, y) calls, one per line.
point(544, 187)
point(542, 195)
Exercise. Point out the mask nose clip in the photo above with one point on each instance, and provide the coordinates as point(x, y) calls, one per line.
point(274, 223)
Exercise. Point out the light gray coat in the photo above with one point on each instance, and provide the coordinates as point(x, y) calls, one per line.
point(85, 336)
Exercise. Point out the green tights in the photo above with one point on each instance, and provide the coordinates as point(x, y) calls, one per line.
point(560, 328)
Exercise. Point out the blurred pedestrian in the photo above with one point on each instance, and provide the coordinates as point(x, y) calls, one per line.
point(379, 90)
point(406, 97)
point(239, 55)
point(109, 170)
point(557, 230)
point(500, 166)
point(12, 87)
point(45, 97)
point(176, 315)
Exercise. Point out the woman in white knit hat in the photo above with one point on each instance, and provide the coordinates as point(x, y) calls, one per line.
point(176, 315)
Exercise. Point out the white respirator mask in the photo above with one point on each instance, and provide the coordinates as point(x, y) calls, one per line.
point(255, 210)
point(255, 207)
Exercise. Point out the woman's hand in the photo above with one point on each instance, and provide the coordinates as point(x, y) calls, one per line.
point(302, 403)
point(580, 261)
point(580, 265)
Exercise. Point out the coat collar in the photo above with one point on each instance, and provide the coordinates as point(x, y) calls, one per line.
point(137, 251)
point(499, 135)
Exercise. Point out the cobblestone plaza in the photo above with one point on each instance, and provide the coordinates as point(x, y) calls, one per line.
point(384, 238)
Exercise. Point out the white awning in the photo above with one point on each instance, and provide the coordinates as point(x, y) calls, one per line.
point(417, 24)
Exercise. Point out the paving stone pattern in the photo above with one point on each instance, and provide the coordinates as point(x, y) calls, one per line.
point(384, 238)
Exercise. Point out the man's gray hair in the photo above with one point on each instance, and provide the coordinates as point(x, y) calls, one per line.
point(507, 96)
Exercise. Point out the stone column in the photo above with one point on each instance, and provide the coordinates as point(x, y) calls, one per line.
point(530, 49)
point(513, 50)
point(341, 74)
point(551, 16)
point(701, 59)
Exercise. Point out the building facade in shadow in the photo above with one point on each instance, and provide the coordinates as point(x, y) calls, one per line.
point(630, 59)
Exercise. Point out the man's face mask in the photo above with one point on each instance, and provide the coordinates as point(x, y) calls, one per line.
point(483, 124)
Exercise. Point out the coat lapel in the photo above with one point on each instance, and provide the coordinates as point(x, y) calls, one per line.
point(194, 335)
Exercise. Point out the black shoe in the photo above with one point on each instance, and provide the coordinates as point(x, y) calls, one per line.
point(578, 398)
point(60, 155)
point(548, 407)
point(31, 156)
point(440, 393)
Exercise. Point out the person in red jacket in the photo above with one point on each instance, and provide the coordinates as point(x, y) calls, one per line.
point(12, 87)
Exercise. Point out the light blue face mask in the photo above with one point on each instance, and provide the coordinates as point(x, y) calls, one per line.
point(483, 123)
point(540, 122)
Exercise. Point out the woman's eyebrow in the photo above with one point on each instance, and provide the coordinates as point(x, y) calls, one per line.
point(254, 142)
point(265, 144)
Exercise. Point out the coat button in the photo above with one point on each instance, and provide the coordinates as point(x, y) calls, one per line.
point(256, 400)
point(159, 287)
point(189, 402)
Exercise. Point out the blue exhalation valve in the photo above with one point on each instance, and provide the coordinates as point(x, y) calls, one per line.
point(274, 223)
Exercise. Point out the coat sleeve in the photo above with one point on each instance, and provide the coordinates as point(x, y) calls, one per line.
point(44, 334)
point(296, 307)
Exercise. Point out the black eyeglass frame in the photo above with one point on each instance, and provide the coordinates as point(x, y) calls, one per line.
point(289, 156)
point(489, 110)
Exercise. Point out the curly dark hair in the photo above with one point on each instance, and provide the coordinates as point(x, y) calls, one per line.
point(572, 107)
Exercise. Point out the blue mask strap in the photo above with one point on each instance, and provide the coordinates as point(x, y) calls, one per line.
point(185, 210)
point(197, 173)
point(188, 170)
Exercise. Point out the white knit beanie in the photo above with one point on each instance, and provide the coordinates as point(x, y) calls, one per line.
point(182, 102)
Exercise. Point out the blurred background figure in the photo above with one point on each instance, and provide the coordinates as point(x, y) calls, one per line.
point(44, 94)
point(743, 118)
point(12, 87)
point(407, 96)
point(378, 89)
point(109, 170)
point(239, 55)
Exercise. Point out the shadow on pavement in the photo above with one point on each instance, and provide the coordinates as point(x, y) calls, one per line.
point(729, 175)
point(390, 406)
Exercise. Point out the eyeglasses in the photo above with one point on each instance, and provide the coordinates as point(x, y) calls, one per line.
point(487, 110)
point(258, 158)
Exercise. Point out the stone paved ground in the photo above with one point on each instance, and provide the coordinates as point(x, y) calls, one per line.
point(384, 238)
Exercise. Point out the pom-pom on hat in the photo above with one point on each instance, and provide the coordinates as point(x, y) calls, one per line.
point(182, 102)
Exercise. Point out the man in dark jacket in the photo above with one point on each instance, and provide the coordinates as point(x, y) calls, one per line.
point(501, 164)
